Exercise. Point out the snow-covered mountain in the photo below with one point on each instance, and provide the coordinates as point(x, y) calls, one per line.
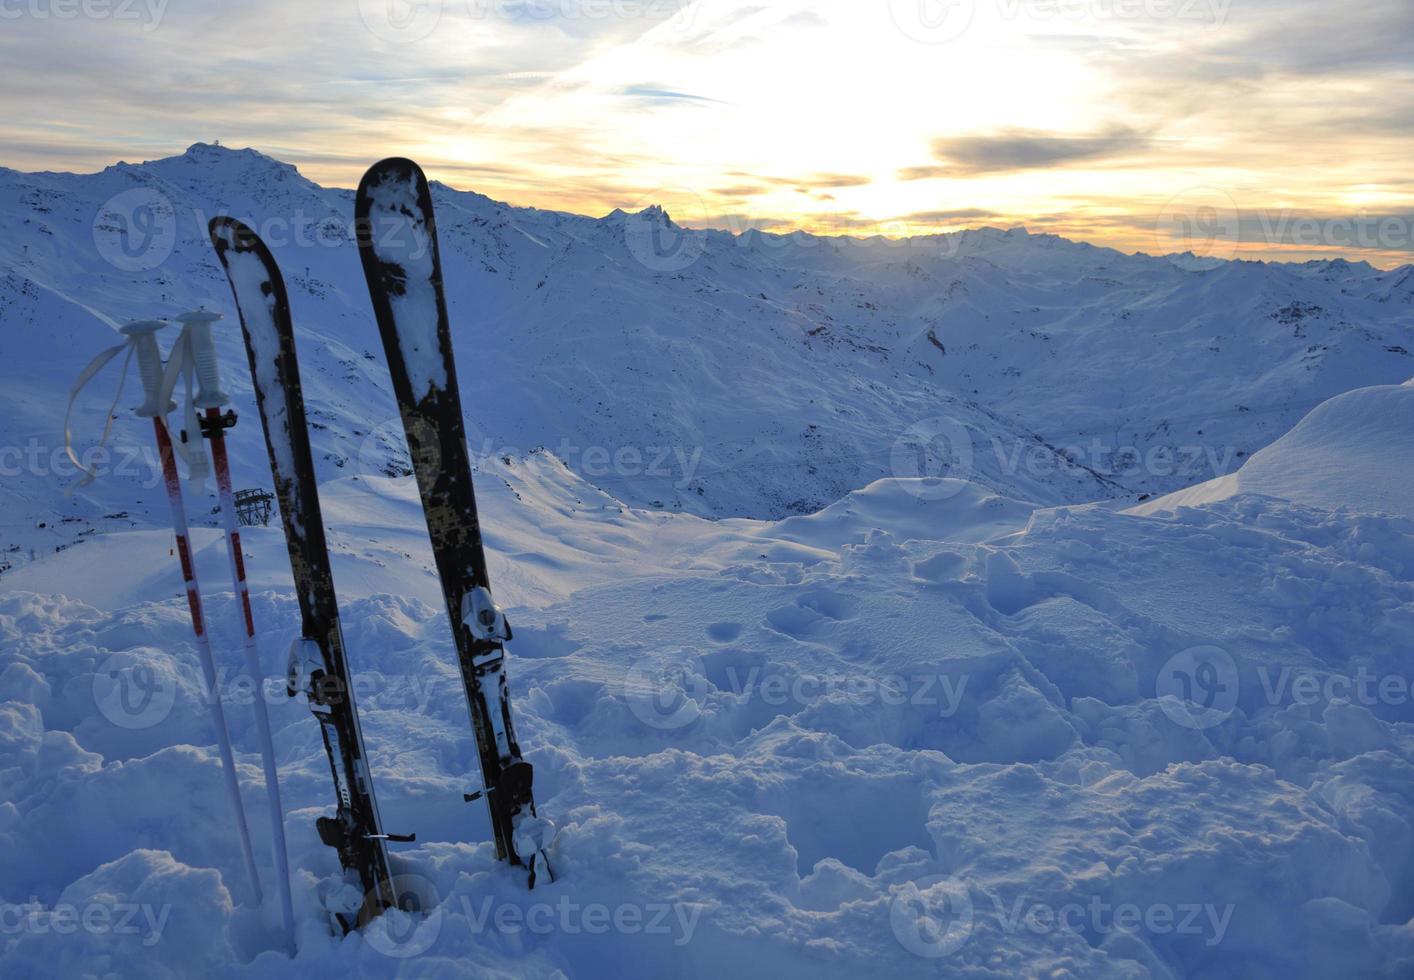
point(753, 375)
point(798, 706)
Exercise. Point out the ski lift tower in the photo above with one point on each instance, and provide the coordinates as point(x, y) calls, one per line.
point(253, 507)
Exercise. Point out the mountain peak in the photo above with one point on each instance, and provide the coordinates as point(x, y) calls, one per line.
point(654, 213)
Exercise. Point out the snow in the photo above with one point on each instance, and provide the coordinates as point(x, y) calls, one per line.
point(996, 722)
point(401, 238)
point(1350, 453)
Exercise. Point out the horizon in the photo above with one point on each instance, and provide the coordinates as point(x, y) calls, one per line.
point(728, 227)
point(1225, 128)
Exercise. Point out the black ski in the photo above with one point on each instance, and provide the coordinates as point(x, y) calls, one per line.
point(397, 241)
point(317, 663)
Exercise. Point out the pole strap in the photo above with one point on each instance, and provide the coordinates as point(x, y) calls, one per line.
point(85, 376)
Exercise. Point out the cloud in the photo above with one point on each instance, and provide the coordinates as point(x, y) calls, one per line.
point(739, 190)
point(1017, 149)
point(836, 180)
point(948, 217)
point(657, 94)
point(1319, 37)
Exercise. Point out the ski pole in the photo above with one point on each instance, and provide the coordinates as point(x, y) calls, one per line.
point(210, 397)
point(143, 336)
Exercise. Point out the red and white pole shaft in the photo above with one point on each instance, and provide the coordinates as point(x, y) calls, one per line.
point(210, 397)
point(142, 334)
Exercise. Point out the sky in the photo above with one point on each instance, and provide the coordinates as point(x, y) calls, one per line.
point(1226, 127)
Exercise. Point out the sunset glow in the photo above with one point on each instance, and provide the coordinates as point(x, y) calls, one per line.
point(1094, 119)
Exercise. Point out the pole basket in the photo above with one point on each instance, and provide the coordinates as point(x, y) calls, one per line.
point(253, 507)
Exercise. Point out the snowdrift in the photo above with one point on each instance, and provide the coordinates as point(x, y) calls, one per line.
point(1354, 452)
point(927, 728)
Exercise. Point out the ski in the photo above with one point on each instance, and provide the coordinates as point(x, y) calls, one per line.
point(397, 242)
point(318, 666)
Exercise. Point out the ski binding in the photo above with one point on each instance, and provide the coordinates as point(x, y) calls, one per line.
point(484, 618)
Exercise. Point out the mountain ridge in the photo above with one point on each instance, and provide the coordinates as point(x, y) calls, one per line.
point(765, 374)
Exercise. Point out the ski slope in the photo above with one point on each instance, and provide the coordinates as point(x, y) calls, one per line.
point(821, 719)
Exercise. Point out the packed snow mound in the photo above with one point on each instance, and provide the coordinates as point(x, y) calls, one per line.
point(1354, 452)
point(907, 735)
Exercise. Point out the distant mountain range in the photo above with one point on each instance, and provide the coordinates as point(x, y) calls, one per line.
point(696, 370)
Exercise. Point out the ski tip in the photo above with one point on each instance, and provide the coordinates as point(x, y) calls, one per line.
point(392, 168)
point(227, 232)
point(396, 179)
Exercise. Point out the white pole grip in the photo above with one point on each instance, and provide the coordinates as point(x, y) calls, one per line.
point(208, 368)
point(142, 334)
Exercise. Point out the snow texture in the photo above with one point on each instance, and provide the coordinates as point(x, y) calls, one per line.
point(400, 238)
point(1009, 723)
